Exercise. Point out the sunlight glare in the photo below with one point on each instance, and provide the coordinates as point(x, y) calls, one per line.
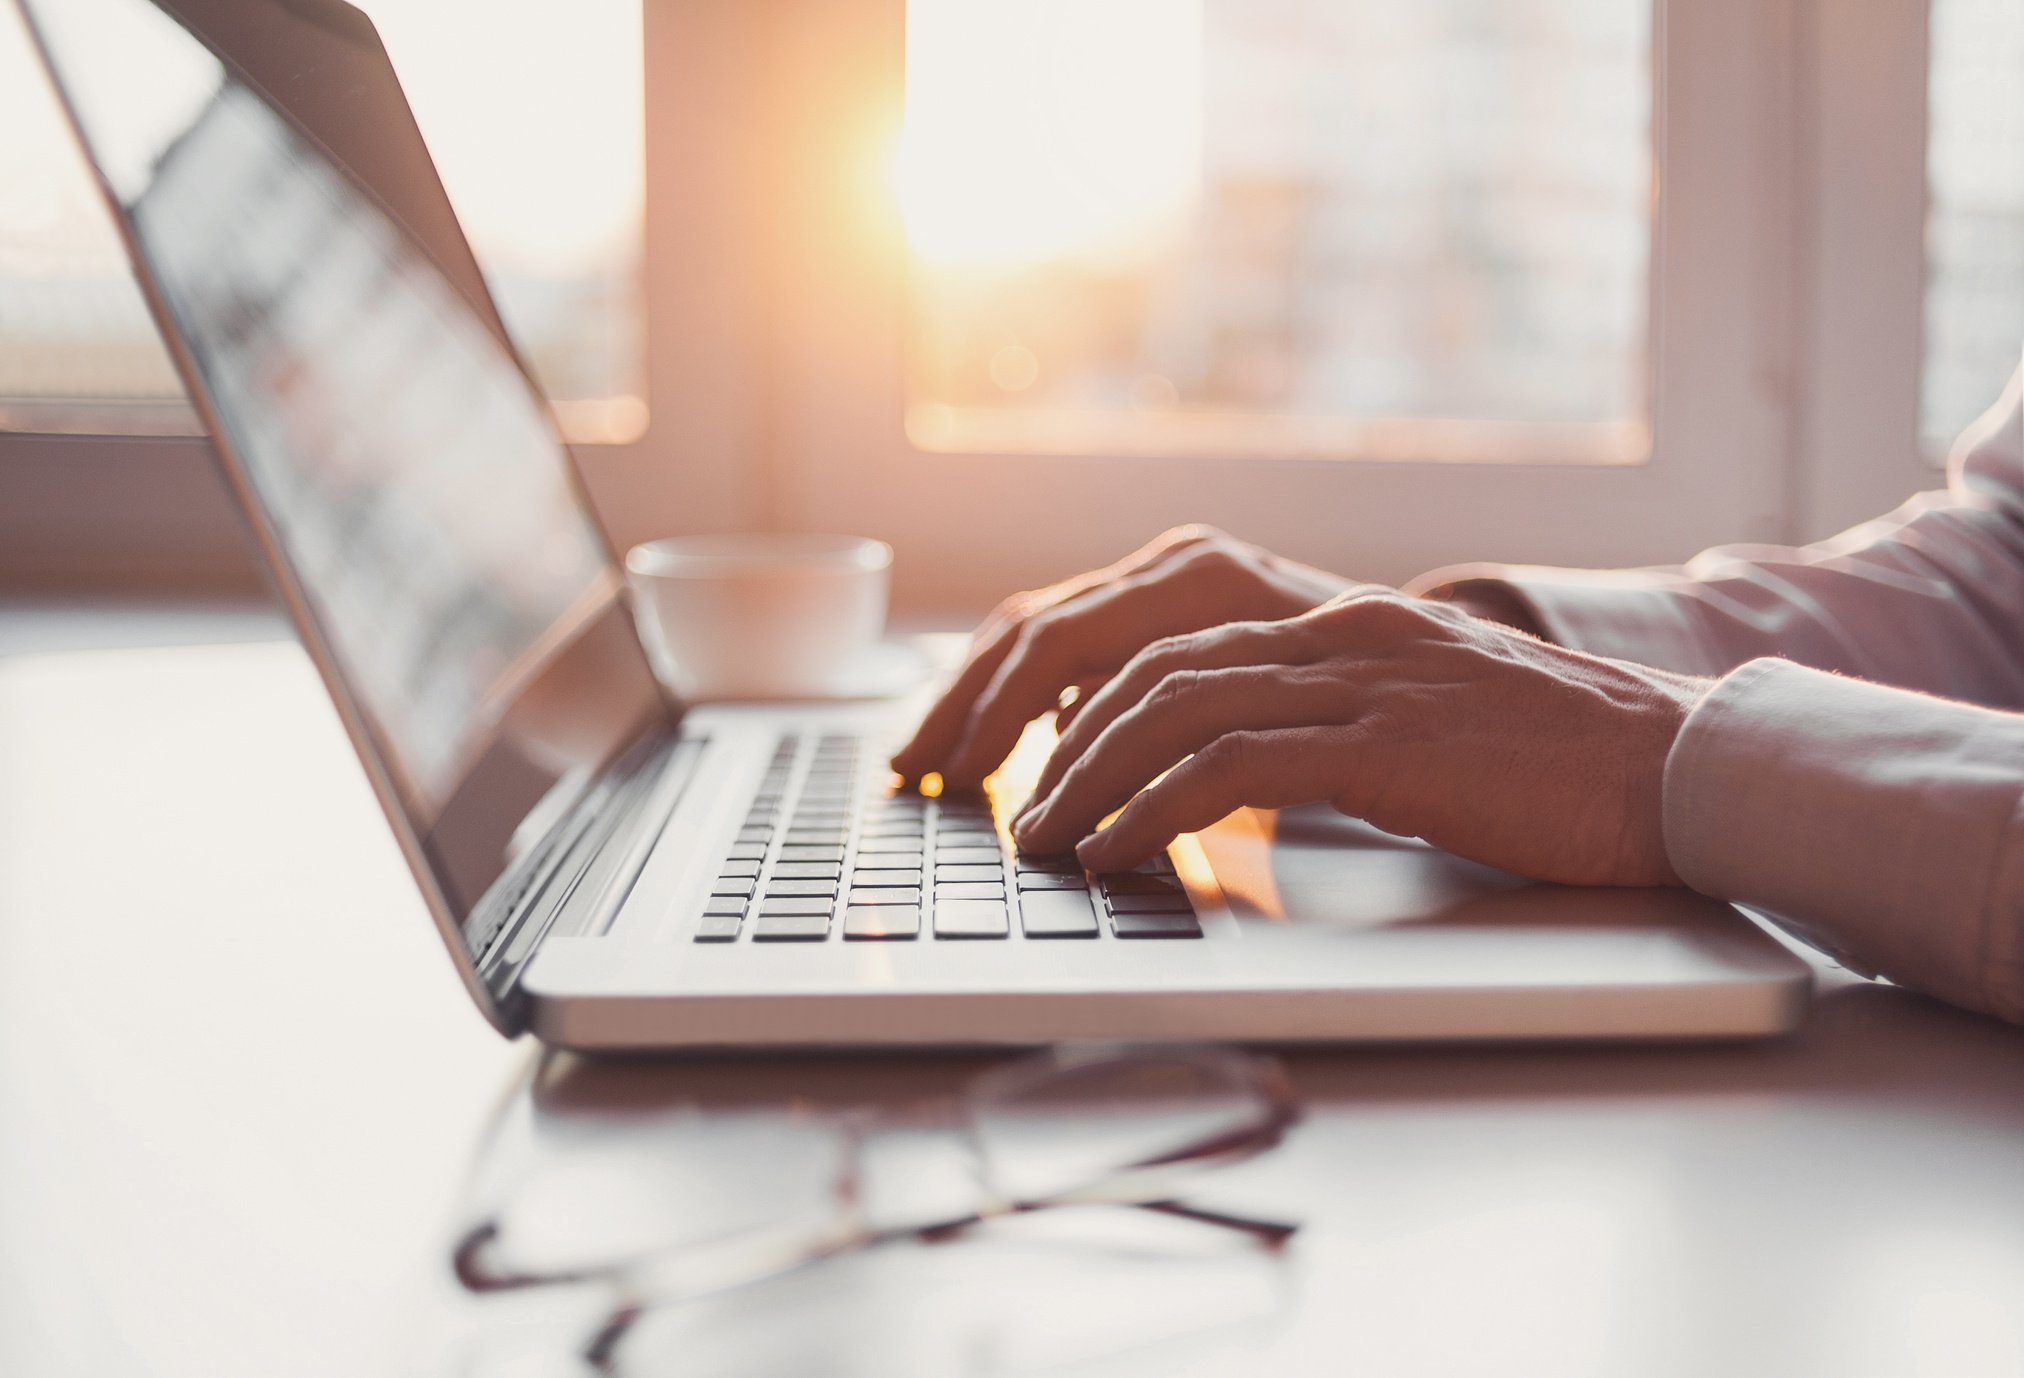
point(1049, 129)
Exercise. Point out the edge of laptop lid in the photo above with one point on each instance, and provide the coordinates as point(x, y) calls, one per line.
point(413, 505)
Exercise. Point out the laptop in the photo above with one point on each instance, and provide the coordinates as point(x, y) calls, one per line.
point(612, 869)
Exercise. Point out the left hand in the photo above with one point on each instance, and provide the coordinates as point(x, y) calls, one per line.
point(1413, 716)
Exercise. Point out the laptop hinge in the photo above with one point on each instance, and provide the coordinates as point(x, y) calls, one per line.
point(577, 878)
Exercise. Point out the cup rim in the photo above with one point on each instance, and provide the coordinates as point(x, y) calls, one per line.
point(808, 552)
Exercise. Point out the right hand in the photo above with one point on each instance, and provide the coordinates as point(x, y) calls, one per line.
point(1078, 633)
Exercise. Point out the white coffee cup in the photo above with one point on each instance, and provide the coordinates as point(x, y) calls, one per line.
point(761, 616)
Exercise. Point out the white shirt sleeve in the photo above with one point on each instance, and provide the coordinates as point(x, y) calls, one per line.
point(1881, 825)
point(1881, 821)
point(1930, 597)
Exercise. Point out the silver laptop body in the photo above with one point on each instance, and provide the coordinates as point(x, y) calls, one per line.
point(579, 837)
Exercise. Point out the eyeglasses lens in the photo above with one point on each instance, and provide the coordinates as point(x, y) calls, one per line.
point(1117, 1129)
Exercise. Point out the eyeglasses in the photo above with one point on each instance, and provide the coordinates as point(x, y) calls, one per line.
point(1066, 1127)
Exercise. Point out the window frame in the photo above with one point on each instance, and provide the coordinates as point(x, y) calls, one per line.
point(1857, 451)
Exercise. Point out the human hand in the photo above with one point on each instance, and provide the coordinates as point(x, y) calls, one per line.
point(1076, 634)
point(1413, 716)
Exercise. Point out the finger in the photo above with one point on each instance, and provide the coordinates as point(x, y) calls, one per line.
point(1267, 770)
point(1055, 649)
point(1237, 643)
point(943, 722)
point(942, 727)
point(1093, 635)
point(1184, 714)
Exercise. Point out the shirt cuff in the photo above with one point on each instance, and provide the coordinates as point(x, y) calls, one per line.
point(1879, 824)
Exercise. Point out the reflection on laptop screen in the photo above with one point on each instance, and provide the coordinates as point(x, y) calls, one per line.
point(400, 455)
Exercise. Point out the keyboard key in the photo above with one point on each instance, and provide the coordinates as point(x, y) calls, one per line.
point(750, 835)
point(902, 895)
point(907, 828)
point(740, 868)
point(741, 886)
point(970, 890)
point(1053, 914)
point(808, 870)
point(971, 919)
point(799, 905)
point(791, 928)
point(966, 856)
point(889, 845)
point(1159, 865)
point(1131, 883)
point(811, 854)
point(884, 880)
point(1155, 926)
point(969, 827)
point(886, 921)
point(944, 874)
point(723, 904)
point(889, 861)
point(1060, 864)
point(717, 928)
point(794, 889)
point(1148, 904)
point(747, 851)
point(815, 837)
point(1047, 880)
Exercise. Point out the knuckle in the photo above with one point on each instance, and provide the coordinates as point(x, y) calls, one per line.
point(1172, 688)
point(1378, 615)
point(1151, 663)
point(1230, 754)
point(1189, 533)
point(1012, 607)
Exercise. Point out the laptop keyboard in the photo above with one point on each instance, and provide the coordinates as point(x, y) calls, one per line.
point(829, 850)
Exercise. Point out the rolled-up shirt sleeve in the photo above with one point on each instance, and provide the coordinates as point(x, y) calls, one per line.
point(1858, 769)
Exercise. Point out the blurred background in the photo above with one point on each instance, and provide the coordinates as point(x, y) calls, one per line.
point(1266, 228)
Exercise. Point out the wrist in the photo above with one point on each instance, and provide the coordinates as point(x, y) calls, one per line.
point(1491, 600)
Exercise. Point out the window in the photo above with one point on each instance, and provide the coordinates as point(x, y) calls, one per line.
point(1380, 286)
point(74, 333)
point(539, 146)
point(1974, 304)
point(1300, 226)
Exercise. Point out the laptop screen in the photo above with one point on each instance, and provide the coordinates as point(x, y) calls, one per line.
point(399, 461)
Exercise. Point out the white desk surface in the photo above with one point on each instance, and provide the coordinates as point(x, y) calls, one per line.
point(241, 1097)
